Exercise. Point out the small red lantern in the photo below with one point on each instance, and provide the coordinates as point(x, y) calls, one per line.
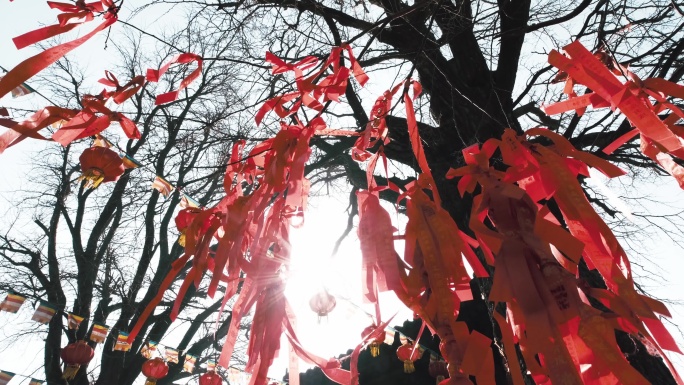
point(322, 303)
point(438, 369)
point(374, 346)
point(154, 369)
point(100, 164)
point(406, 354)
point(74, 355)
point(183, 220)
point(210, 378)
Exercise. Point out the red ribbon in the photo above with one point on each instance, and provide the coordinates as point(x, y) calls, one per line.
point(184, 58)
point(121, 93)
point(29, 128)
point(383, 267)
point(334, 60)
point(278, 66)
point(88, 123)
point(141, 322)
point(277, 104)
point(416, 143)
point(376, 129)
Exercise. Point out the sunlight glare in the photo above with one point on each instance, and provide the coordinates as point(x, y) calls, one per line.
point(313, 268)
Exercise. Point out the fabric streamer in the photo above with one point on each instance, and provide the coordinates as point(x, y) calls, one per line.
point(640, 101)
point(184, 58)
point(252, 231)
point(31, 66)
point(544, 301)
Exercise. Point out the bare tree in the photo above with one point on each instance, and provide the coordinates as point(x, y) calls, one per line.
point(103, 253)
point(482, 67)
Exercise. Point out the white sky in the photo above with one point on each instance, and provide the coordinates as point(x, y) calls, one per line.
point(314, 241)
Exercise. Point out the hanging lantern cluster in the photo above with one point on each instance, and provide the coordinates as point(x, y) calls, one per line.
point(210, 378)
point(322, 303)
point(74, 355)
point(438, 369)
point(407, 355)
point(374, 345)
point(100, 164)
point(154, 370)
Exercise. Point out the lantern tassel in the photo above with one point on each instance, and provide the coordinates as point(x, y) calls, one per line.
point(92, 177)
point(70, 372)
point(151, 381)
point(374, 349)
point(409, 367)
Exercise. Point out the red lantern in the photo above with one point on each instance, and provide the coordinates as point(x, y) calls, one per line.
point(374, 346)
point(210, 378)
point(183, 220)
point(438, 370)
point(406, 354)
point(322, 303)
point(100, 164)
point(74, 355)
point(154, 369)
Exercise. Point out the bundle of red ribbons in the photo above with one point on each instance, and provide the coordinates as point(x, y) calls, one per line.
point(643, 102)
point(94, 117)
point(562, 338)
point(252, 231)
point(536, 262)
